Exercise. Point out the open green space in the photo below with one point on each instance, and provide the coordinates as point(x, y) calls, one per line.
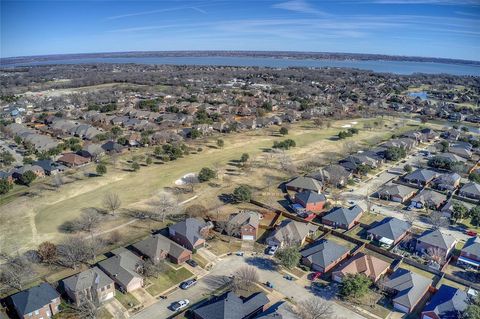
point(127, 299)
point(169, 278)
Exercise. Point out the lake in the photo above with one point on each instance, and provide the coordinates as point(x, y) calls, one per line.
point(397, 67)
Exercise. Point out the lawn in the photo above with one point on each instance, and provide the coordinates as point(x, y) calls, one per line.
point(418, 270)
point(127, 299)
point(220, 247)
point(171, 277)
point(202, 262)
point(342, 242)
point(104, 314)
point(370, 218)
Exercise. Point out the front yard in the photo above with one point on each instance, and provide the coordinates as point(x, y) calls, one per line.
point(224, 245)
point(127, 300)
point(171, 277)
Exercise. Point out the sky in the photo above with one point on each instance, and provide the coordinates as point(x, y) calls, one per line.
point(431, 28)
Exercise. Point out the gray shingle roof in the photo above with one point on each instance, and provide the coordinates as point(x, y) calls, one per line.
point(396, 189)
point(409, 286)
point(428, 196)
point(34, 298)
point(244, 218)
point(87, 279)
point(155, 246)
point(437, 238)
point(230, 306)
point(423, 175)
point(190, 229)
point(290, 230)
point(324, 252)
point(471, 188)
point(448, 302)
point(123, 266)
point(344, 216)
point(391, 228)
point(472, 246)
point(310, 197)
point(303, 182)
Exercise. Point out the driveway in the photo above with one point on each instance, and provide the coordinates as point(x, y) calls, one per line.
point(116, 309)
point(297, 290)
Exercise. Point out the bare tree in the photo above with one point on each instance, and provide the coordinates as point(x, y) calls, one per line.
point(314, 308)
point(88, 221)
point(15, 272)
point(410, 217)
point(165, 204)
point(87, 309)
point(436, 254)
point(47, 252)
point(58, 181)
point(437, 219)
point(245, 277)
point(73, 251)
point(150, 269)
point(112, 202)
point(191, 181)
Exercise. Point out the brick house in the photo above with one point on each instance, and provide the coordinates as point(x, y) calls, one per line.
point(323, 255)
point(370, 266)
point(436, 241)
point(247, 223)
point(447, 303)
point(189, 233)
point(92, 284)
point(470, 253)
point(73, 160)
point(39, 302)
point(310, 200)
point(342, 217)
point(124, 268)
point(158, 247)
point(408, 288)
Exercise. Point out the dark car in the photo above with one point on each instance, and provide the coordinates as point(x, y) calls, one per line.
point(192, 263)
point(187, 284)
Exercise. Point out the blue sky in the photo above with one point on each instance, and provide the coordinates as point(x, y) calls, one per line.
point(435, 28)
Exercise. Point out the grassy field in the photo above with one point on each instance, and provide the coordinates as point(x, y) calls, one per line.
point(27, 221)
point(126, 299)
point(167, 279)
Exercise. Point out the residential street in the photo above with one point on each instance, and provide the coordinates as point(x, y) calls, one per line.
point(296, 290)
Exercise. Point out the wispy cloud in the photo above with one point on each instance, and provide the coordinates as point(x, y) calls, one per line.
point(297, 6)
point(134, 14)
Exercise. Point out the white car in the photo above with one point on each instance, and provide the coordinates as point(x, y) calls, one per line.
point(271, 250)
point(179, 305)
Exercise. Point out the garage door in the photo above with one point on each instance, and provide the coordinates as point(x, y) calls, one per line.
point(248, 237)
point(401, 308)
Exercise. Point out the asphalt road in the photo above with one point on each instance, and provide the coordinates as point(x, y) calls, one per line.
point(227, 266)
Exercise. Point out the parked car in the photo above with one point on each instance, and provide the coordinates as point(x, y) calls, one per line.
point(271, 250)
point(288, 277)
point(471, 233)
point(192, 263)
point(187, 284)
point(269, 284)
point(179, 305)
point(239, 253)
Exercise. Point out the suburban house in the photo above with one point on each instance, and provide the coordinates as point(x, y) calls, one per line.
point(303, 183)
point(333, 174)
point(19, 171)
point(50, 167)
point(470, 190)
point(92, 285)
point(247, 223)
point(6, 176)
point(111, 147)
point(91, 151)
point(389, 231)
point(396, 193)
point(158, 247)
point(429, 198)
point(447, 303)
point(435, 242)
point(343, 217)
point(290, 231)
point(470, 253)
point(231, 306)
point(189, 233)
point(73, 160)
point(323, 255)
point(360, 263)
point(451, 157)
point(420, 177)
point(408, 287)
point(461, 150)
point(39, 302)
point(447, 182)
point(310, 201)
point(124, 269)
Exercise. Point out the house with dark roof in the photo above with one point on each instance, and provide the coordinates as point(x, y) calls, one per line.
point(420, 177)
point(408, 288)
point(231, 306)
point(303, 183)
point(435, 242)
point(290, 231)
point(310, 201)
point(451, 157)
point(280, 310)
point(111, 147)
point(429, 198)
point(334, 174)
point(446, 303)
point(396, 193)
point(323, 255)
point(360, 263)
point(188, 233)
point(447, 182)
point(470, 253)
point(343, 217)
point(73, 160)
point(470, 190)
point(247, 223)
point(158, 247)
point(124, 268)
point(92, 285)
point(6, 176)
point(389, 231)
point(39, 302)
point(50, 167)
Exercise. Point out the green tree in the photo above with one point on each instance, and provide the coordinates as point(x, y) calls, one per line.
point(474, 177)
point(148, 160)
point(459, 211)
point(242, 193)
point(101, 169)
point(5, 186)
point(444, 146)
point(355, 286)
point(289, 257)
point(363, 169)
point(220, 143)
point(284, 131)
point(475, 216)
point(244, 158)
point(18, 140)
point(27, 178)
point(135, 166)
point(116, 131)
point(473, 309)
point(6, 158)
point(395, 153)
point(194, 133)
point(206, 174)
point(408, 168)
